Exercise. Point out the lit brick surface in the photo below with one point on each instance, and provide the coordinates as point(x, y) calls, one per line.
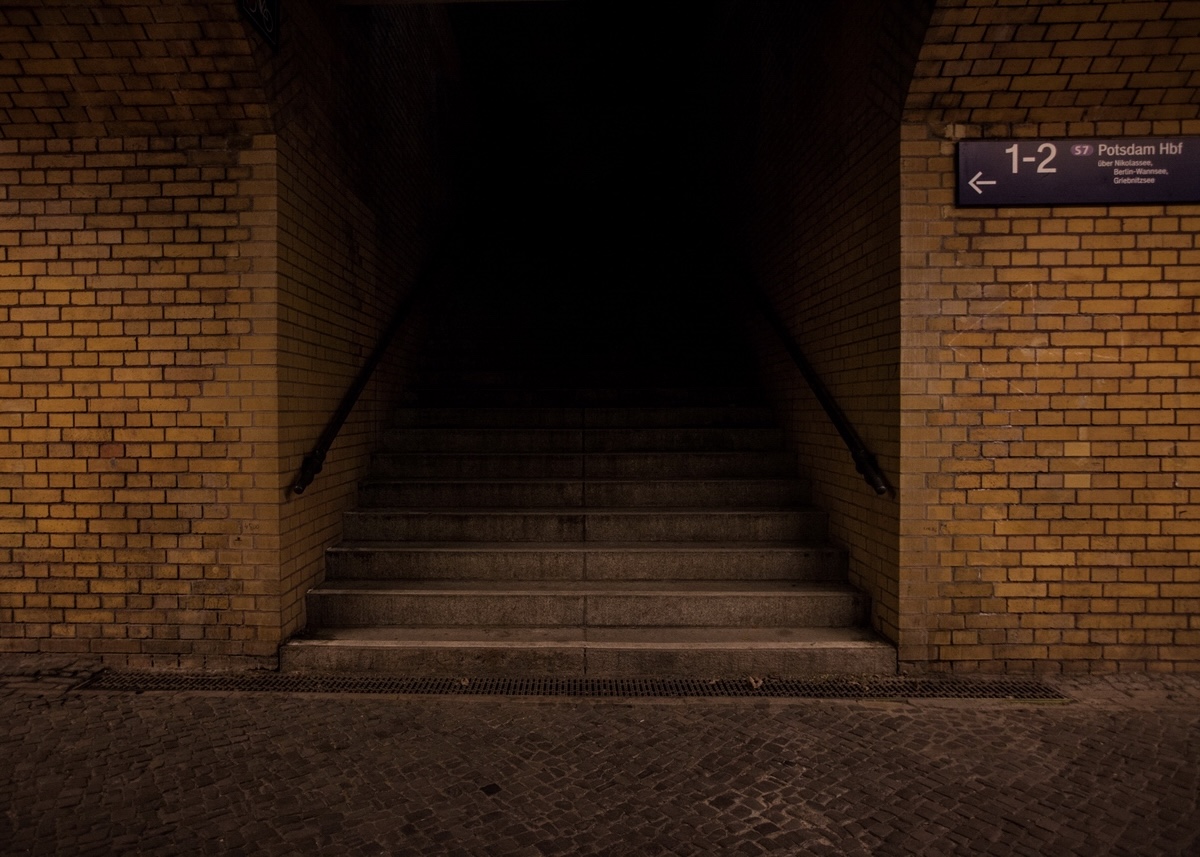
point(177, 248)
point(201, 239)
point(1051, 485)
point(135, 249)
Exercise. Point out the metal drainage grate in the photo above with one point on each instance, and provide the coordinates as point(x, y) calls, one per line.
point(751, 688)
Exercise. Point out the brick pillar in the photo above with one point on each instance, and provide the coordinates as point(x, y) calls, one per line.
point(187, 266)
point(1051, 510)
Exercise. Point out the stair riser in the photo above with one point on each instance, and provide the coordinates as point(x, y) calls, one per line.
point(466, 466)
point(595, 466)
point(598, 526)
point(725, 417)
point(716, 465)
point(449, 527)
point(719, 610)
point(450, 564)
point(583, 417)
point(506, 494)
point(482, 390)
point(473, 494)
point(701, 527)
point(458, 418)
point(457, 609)
point(683, 440)
point(727, 610)
point(727, 494)
point(575, 440)
point(483, 440)
point(798, 565)
point(578, 417)
point(569, 660)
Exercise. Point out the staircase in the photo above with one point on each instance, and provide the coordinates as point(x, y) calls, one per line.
point(605, 538)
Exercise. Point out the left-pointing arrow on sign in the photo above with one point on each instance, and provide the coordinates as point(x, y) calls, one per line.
point(975, 182)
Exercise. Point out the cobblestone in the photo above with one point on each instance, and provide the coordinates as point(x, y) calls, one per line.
point(1114, 771)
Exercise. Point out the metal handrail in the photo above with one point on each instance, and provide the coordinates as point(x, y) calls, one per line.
point(436, 260)
point(864, 460)
point(315, 460)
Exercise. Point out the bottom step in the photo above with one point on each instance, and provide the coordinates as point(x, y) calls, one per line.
point(598, 652)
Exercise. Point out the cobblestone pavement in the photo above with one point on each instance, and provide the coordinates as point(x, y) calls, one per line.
point(1114, 771)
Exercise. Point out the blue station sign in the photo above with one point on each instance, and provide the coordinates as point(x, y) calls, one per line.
point(1122, 171)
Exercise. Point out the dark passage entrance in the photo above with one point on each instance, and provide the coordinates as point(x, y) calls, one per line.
point(588, 482)
point(587, 196)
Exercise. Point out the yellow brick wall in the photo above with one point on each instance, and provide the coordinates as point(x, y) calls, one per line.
point(189, 277)
point(1050, 356)
point(136, 244)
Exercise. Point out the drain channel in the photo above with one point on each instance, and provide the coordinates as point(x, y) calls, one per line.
point(750, 688)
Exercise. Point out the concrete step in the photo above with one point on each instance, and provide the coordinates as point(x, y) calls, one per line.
point(524, 603)
point(689, 465)
point(458, 493)
point(671, 439)
point(725, 416)
point(476, 466)
point(625, 465)
point(582, 417)
point(614, 652)
point(575, 493)
point(569, 532)
point(496, 390)
point(682, 439)
point(587, 561)
point(592, 524)
point(483, 440)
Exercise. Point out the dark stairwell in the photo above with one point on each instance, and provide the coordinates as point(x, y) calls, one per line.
point(587, 479)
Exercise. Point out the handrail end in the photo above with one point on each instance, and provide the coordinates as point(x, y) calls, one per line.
point(865, 464)
point(309, 468)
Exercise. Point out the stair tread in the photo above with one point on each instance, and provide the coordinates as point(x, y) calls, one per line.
point(614, 637)
point(587, 510)
point(433, 575)
point(566, 419)
point(582, 453)
point(573, 480)
point(586, 431)
point(582, 547)
point(575, 588)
